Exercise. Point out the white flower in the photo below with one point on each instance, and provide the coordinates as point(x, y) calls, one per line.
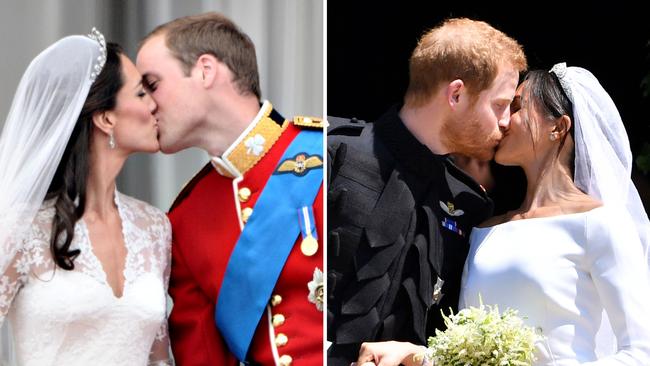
point(255, 144)
point(22, 265)
point(315, 287)
point(37, 257)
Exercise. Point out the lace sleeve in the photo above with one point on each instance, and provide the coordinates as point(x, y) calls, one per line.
point(11, 281)
point(29, 255)
point(160, 354)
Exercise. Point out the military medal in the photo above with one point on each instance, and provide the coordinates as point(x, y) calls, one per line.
point(309, 244)
point(316, 290)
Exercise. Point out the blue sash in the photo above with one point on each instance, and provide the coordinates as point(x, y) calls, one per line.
point(264, 245)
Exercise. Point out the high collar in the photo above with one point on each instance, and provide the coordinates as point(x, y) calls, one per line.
point(251, 146)
point(406, 149)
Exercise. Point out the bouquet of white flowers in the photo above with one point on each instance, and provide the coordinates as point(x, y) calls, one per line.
point(482, 336)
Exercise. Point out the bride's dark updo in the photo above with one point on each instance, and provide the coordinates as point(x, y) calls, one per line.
point(68, 187)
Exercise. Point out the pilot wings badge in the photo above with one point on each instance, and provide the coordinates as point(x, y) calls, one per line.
point(299, 165)
point(450, 209)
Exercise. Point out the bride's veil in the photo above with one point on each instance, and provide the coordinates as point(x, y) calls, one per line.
point(603, 163)
point(44, 111)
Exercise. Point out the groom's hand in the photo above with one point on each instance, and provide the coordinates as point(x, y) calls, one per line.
point(388, 354)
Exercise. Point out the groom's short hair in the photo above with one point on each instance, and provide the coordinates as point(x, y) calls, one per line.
point(464, 49)
point(212, 33)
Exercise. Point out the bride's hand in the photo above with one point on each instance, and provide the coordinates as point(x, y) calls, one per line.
point(388, 354)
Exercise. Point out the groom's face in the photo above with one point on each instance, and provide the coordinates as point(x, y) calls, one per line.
point(477, 129)
point(172, 90)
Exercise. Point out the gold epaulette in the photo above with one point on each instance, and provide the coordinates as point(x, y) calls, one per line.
point(309, 122)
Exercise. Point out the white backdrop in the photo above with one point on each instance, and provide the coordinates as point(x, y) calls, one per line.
point(288, 35)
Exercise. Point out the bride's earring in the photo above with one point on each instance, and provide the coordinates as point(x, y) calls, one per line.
point(111, 140)
point(553, 136)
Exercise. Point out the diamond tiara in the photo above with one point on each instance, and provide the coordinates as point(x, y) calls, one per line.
point(98, 37)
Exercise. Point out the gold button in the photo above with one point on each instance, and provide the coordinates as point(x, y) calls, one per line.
point(244, 194)
point(285, 360)
point(276, 300)
point(246, 213)
point(281, 340)
point(278, 320)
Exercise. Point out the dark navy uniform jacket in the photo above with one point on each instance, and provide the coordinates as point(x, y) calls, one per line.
point(399, 219)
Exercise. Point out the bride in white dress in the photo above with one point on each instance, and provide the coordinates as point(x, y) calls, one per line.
point(83, 268)
point(573, 259)
point(577, 248)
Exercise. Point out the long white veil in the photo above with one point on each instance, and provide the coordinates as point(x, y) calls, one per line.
point(43, 114)
point(603, 163)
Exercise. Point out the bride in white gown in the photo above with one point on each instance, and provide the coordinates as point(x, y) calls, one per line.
point(83, 268)
point(577, 248)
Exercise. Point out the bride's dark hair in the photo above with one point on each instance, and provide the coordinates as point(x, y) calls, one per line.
point(68, 186)
point(549, 98)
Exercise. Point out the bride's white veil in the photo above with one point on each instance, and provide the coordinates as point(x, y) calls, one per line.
point(603, 163)
point(43, 114)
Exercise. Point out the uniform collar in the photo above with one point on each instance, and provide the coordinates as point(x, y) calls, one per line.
point(406, 149)
point(251, 146)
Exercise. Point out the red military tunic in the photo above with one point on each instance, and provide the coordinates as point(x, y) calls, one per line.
point(207, 219)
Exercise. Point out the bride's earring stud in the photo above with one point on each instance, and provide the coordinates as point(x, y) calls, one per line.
point(553, 136)
point(111, 141)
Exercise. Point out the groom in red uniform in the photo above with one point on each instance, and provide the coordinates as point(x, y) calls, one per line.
point(247, 257)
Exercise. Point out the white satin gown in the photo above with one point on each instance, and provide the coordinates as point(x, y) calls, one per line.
point(561, 273)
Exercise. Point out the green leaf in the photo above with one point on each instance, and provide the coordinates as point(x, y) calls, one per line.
point(643, 160)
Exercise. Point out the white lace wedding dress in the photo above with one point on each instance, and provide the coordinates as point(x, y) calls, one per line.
point(61, 317)
point(560, 273)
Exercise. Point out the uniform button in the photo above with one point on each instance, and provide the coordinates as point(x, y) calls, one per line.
point(277, 320)
point(246, 213)
point(285, 360)
point(244, 194)
point(276, 300)
point(281, 340)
